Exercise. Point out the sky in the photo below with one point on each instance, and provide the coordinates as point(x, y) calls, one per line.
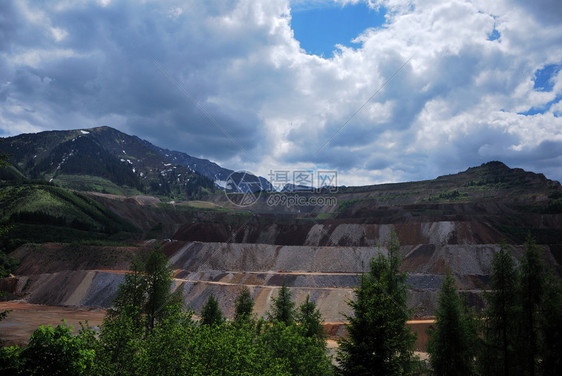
point(378, 91)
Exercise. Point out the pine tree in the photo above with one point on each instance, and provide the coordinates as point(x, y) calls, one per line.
point(451, 344)
point(498, 356)
point(7, 263)
point(158, 278)
point(531, 290)
point(283, 308)
point(378, 340)
point(310, 320)
point(145, 294)
point(142, 301)
point(211, 314)
point(551, 326)
point(130, 298)
point(244, 306)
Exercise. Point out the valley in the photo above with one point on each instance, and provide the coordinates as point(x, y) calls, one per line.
point(73, 246)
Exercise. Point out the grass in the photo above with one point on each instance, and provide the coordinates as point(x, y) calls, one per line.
point(95, 184)
point(201, 204)
point(79, 253)
point(45, 213)
point(324, 216)
point(346, 204)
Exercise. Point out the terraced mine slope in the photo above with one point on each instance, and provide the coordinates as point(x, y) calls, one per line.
point(452, 222)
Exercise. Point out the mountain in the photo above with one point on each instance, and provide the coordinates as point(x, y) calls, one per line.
point(213, 171)
point(317, 243)
point(106, 160)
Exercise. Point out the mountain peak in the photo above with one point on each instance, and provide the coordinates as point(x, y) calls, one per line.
point(47, 155)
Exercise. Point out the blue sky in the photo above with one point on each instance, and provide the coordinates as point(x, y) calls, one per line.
point(430, 88)
point(544, 77)
point(544, 82)
point(320, 28)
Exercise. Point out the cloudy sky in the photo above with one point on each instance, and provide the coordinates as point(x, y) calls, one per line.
point(380, 91)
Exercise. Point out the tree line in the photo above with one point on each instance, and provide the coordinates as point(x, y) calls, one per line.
point(147, 332)
point(518, 333)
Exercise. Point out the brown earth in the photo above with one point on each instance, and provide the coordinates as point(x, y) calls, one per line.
point(25, 318)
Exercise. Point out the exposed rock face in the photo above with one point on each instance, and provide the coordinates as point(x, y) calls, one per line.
point(328, 273)
point(453, 222)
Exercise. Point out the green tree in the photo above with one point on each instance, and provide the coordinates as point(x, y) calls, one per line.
point(451, 344)
point(531, 290)
point(7, 264)
point(131, 295)
point(244, 306)
point(167, 348)
point(145, 294)
point(211, 314)
point(182, 348)
point(55, 351)
point(550, 322)
point(300, 354)
point(121, 344)
point(10, 362)
point(310, 320)
point(158, 279)
point(282, 309)
point(500, 325)
point(378, 341)
point(143, 301)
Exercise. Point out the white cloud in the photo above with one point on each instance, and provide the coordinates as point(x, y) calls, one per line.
point(453, 105)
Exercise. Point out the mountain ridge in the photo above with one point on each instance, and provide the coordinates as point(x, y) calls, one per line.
point(136, 166)
point(131, 162)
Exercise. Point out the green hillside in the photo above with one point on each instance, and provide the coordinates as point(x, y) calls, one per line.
point(46, 213)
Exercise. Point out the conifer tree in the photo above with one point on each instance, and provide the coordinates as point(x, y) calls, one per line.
point(451, 344)
point(211, 314)
point(378, 341)
point(531, 291)
point(283, 308)
point(500, 325)
point(310, 320)
point(130, 298)
point(551, 326)
point(158, 277)
point(145, 294)
point(244, 306)
point(142, 301)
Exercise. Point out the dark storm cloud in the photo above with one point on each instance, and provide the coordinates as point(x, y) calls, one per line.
point(108, 62)
point(549, 11)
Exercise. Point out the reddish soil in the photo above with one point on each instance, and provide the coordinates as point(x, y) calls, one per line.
point(334, 330)
point(25, 318)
